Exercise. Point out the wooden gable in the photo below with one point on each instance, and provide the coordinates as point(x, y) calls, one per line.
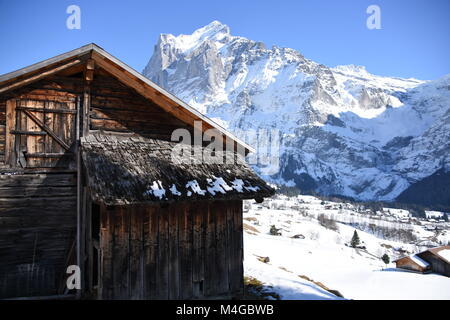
point(115, 107)
point(91, 62)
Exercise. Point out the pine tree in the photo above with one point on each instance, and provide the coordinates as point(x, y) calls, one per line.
point(385, 259)
point(355, 240)
point(445, 217)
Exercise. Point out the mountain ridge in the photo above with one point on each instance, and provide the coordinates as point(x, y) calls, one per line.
point(342, 130)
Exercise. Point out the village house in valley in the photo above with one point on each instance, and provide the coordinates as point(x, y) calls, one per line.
point(87, 178)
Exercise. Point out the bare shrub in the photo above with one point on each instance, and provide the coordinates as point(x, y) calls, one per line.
point(327, 222)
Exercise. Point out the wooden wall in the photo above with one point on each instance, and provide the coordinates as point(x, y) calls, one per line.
point(37, 231)
point(2, 130)
point(187, 250)
point(117, 108)
point(408, 264)
point(437, 264)
point(32, 146)
point(38, 196)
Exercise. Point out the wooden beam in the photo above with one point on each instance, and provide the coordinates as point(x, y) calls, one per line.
point(47, 110)
point(47, 129)
point(80, 212)
point(78, 53)
point(28, 133)
point(90, 65)
point(89, 241)
point(48, 155)
point(88, 77)
point(86, 109)
point(89, 71)
point(10, 138)
point(39, 76)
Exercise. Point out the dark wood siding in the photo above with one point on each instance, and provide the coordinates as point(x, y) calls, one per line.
point(2, 130)
point(117, 108)
point(41, 125)
point(437, 264)
point(183, 251)
point(37, 232)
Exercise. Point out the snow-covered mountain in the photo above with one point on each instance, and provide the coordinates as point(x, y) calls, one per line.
point(343, 130)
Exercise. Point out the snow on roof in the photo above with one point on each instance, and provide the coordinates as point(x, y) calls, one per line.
point(445, 254)
point(402, 213)
point(131, 170)
point(419, 261)
point(434, 214)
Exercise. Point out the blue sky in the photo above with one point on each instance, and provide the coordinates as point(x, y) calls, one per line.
point(414, 40)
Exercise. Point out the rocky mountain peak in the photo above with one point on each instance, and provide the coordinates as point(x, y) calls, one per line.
point(343, 130)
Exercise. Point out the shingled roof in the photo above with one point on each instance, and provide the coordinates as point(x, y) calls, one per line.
point(133, 170)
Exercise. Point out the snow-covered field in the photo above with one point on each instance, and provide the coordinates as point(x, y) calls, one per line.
point(307, 250)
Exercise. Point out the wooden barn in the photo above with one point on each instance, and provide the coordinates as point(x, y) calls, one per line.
point(88, 178)
point(413, 263)
point(438, 258)
point(435, 260)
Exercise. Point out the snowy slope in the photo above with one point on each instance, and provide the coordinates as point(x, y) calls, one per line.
point(322, 255)
point(342, 130)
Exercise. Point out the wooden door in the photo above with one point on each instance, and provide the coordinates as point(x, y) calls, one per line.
point(43, 133)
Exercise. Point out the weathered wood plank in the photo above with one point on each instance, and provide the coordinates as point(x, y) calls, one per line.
point(46, 110)
point(152, 253)
point(121, 253)
point(136, 253)
point(134, 125)
point(30, 133)
point(10, 157)
point(174, 272)
point(49, 155)
point(219, 208)
point(33, 191)
point(210, 287)
point(239, 245)
point(198, 250)
point(162, 268)
point(147, 254)
point(39, 76)
point(232, 252)
point(49, 180)
point(186, 252)
point(106, 276)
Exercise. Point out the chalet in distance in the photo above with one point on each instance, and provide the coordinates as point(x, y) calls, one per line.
point(87, 179)
point(432, 260)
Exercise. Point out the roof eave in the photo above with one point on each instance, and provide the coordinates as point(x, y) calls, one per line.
point(39, 65)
